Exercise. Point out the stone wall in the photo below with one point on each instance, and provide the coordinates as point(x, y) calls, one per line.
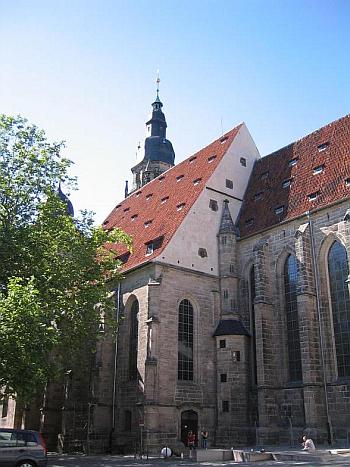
point(268, 252)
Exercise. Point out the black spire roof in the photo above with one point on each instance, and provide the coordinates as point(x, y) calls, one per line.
point(66, 201)
point(230, 327)
point(157, 147)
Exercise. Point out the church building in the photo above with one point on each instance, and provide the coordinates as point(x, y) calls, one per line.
point(234, 310)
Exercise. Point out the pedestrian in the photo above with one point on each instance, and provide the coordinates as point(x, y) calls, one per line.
point(191, 440)
point(308, 444)
point(204, 435)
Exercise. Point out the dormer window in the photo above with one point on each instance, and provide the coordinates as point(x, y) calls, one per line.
point(279, 210)
point(134, 217)
point(223, 139)
point(286, 183)
point(292, 162)
point(249, 222)
point(197, 181)
point(180, 206)
point(124, 257)
point(161, 178)
point(258, 196)
point(317, 170)
point(264, 175)
point(164, 200)
point(211, 158)
point(138, 194)
point(126, 209)
point(153, 245)
point(149, 196)
point(149, 249)
point(313, 196)
point(323, 146)
point(148, 223)
point(118, 206)
point(179, 177)
point(192, 159)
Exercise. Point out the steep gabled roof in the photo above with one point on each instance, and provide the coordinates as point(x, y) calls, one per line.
point(308, 174)
point(152, 214)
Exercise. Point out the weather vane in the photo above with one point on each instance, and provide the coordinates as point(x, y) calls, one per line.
point(158, 81)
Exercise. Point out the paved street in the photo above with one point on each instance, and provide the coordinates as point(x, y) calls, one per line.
point(112, 461)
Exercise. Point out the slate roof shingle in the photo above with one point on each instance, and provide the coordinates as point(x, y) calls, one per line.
point(230, 327)
point(158, 208)
point(288, 178)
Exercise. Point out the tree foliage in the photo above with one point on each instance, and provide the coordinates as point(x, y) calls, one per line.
point(54, 269)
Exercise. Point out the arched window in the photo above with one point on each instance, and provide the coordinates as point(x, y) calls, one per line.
point(291, 309)
point(185, 341)
point(338, 268)
point(133, 343)
point(252, 294)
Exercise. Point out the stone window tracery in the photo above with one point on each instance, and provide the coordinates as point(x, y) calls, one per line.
point(292, 320)
point(185, 341)
point(338, 268)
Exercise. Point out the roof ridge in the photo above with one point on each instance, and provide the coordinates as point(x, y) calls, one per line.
point(176, 166)
point(183, 184)
point(305, 136)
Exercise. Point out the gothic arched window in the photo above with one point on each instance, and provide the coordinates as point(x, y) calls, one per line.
point(338, 268)
point(133, 342)
point(292, 320)
point(185, 341)
point(252, 294)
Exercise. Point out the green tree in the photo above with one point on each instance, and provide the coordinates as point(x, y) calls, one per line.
point(54, 269)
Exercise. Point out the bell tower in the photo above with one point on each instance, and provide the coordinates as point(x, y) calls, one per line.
point(157, 155)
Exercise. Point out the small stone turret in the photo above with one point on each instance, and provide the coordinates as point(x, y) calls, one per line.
point(227, 237)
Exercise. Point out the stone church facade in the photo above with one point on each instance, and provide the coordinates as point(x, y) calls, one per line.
point(234, 310)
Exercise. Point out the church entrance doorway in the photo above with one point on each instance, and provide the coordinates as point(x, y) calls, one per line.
point(189, 422)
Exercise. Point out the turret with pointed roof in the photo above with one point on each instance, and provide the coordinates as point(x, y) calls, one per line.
point(157, 154)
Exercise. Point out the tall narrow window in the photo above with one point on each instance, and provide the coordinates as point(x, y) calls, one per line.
point(293, 339)
point(252, 294)
point(5, 404)
point(185, 341)
point(133, 345)
point(338, 275)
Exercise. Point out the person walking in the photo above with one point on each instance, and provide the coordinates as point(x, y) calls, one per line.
point(204, 435)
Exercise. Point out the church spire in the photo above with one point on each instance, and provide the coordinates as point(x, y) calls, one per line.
point(157, 125)
point(158, 153)
point(227, 225)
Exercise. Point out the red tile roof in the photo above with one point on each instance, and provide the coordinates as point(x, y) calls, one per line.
point(156, 211)
point(327, 150)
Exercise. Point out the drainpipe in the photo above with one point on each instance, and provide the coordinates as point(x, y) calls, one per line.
point(115, 366)
point(318, 307)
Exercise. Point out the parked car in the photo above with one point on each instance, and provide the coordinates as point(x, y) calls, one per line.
point(22, 448)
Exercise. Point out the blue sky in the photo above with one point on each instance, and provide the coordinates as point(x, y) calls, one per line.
point(85, 72)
